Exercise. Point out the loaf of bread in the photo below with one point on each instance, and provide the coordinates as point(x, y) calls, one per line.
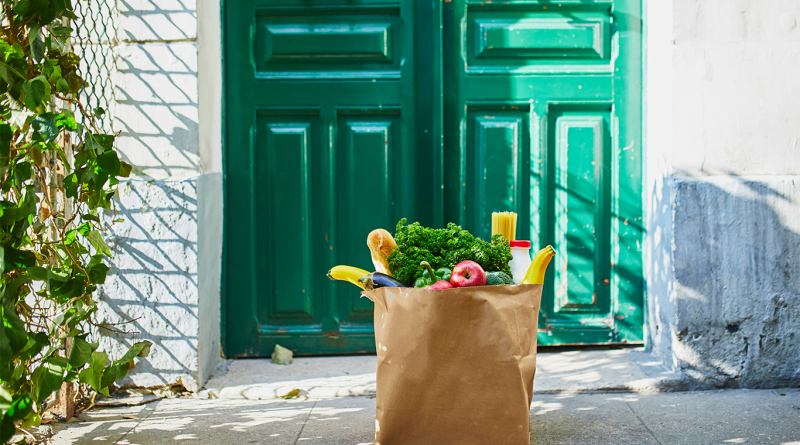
point(381, 244)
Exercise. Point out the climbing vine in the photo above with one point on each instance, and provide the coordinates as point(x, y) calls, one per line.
point(58, 180)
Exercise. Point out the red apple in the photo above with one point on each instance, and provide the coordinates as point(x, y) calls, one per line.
point(441, 284)
point(468, 273)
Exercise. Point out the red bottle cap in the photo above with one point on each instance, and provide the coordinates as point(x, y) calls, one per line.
point(521, 243)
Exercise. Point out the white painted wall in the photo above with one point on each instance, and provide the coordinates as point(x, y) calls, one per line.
point(210, 222)
point(166, 273)
point(723, 152)
point(735, 68)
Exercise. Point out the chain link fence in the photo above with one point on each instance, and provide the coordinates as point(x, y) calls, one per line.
point(95, 40)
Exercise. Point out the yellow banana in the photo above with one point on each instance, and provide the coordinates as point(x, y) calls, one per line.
point(535, 274)
point(347, 273)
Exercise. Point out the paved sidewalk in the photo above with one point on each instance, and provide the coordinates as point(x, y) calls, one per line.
point(703, 417)
point(581, 397)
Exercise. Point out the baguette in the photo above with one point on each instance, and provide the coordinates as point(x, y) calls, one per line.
point(381, 244)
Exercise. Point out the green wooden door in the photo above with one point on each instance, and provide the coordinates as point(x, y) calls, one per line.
point(333, 112)
point(542, 117)
point(330, 133)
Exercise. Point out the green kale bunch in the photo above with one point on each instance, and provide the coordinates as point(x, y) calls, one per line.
point(443, 248)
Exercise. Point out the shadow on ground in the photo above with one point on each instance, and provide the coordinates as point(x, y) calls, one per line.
point(705, 417)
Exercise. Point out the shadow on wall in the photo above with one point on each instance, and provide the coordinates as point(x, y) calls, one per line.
point(157, 20)
point(736, 253)
point(153, 281)
point(156, 108)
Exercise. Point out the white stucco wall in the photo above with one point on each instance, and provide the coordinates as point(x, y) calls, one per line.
point(723, 155)
point(167, 253)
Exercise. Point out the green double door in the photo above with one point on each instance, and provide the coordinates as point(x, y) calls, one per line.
point(346, 115)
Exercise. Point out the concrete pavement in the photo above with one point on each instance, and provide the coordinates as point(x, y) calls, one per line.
point(703, 417)
point(581, 397)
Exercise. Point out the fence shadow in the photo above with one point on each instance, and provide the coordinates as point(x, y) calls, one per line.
point(153, 281)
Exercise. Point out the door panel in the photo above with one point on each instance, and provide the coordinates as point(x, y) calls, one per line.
point(329, 42)
point(370, 169)
point(497, 144)
point(581, 143)
point(286, 186)
point(520, 40)
point(543, 118)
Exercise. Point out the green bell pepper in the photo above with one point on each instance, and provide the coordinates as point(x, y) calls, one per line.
point(425, 281)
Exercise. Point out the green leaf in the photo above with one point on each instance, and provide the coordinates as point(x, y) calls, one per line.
point(33, 32)
point(8, 212)
point(34, 346)
point(6, 133)
point(70, 236)
point(27, 205)
point(22, 172)
point(19, 409)
point(62, 86)
point(99, 143)
point(71, 185)
point(125, 169)
point(68, 61)
point(139, 349)
point(66, 120)
point(110, 374)
point(61, 30)
point(98, 242)
point(84, 156)
point(98, 360)
point(14, 258)
point(45, 124)
point(32, 419)
point(81, 352)
point(74, 81)
point(89, 377)
point(36, 90)
point(90, 217)
point(97, 273)
point(37, 273)
point(47, 378)
point(109, 163)
point(84, 229)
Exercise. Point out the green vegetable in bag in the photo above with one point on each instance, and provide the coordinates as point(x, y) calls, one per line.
point(425, 281)
point(443, 248)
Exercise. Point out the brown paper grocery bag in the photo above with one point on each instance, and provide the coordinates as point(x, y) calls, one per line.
point(455, 366)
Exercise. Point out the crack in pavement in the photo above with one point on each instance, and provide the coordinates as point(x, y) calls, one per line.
point(643, 424)
point(304, 423)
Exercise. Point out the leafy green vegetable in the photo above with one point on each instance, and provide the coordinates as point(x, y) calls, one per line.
point(443, 248)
